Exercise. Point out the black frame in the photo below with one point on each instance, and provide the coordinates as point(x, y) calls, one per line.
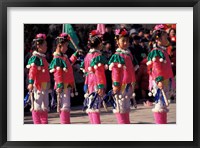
point(98, 3)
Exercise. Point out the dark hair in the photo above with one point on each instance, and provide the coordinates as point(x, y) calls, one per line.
point(94, 41)
point(62, 38)
point(108, 26)
point(121, 33)
point(141, 30)
point(39, 39)
point(171, 30)
point(146, 31)
point(136, 37)
point(157, 34)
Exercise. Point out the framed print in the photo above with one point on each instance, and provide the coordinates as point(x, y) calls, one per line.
point(22, 20)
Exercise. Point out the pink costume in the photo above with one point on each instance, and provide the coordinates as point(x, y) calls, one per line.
point(64, 78)
point(123, 76)
point(94, 69)
point(39, 77)
point(160, 69)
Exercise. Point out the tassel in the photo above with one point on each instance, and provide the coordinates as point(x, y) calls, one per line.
point(150, 94)
point(39, 68)
point(95, 67)
point(99, 64)
point(28, 66)
point(106, 66)
point(89, 68)
point(119, 65)
point(154, 59)
point(65, 69)
point(149, 63)
point(161, 59)
point(72, 94)
point(52, 70)
point(57, 68)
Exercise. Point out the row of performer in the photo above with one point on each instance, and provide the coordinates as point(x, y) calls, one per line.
point(161, 79)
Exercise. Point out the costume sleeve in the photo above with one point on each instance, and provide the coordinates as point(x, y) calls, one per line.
point(155, 62)
point(73, 57)
point(116, 75)
point(32, 74)
point(116, 65)
point(100, 77)
point(156, 67)
point(34, 63)
point(98, 64)
point(58, 66)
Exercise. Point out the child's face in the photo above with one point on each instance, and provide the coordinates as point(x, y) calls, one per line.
point(172, 33)
point(141, 43)
point(108, 46)
point(100, 46)
point(64, 47)
point(146, 35)
point(108, 29)
point(140, 33)
point(123, 42)
point(43, 47)
point(163, 40)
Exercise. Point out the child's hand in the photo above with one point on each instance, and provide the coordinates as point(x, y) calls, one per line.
point(160, 85)
point(79, 51)
point(59, 90)
point(115, 89)
point(30, 87)
point(100, 92)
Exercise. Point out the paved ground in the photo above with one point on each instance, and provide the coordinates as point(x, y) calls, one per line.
point(141, 115)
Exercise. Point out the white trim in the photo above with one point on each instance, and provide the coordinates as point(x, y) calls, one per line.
point(35, 53)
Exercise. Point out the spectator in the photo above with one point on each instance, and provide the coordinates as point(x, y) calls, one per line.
point(136, 50)
point(132, 33)
point(109, 36)
point(141, 32)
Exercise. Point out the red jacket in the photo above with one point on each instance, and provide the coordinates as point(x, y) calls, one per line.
point(63, 71)
point(38, 72)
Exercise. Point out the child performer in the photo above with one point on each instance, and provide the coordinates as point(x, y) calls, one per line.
point(39, 80)
point(161, 81)
point(95, 80)
point(123, 77)
point(63, 76)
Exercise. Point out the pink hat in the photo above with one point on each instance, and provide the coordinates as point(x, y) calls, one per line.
point(41, 36)
point(63, 37)
point(94, 33)
point(159, 27)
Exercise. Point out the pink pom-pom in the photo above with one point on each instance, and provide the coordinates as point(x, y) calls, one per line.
point(39, 68)
point(149, 63)
point(89, 68)
point(119, 65)
point(106, 66)
point(161, 60)
point(52, 70)
point(95, 67)
point(150, 94)
point(28, 66)
point(65, 69)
